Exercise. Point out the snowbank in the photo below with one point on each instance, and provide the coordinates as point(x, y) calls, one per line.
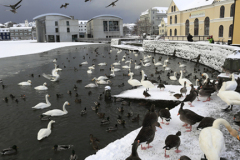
point(16, 48)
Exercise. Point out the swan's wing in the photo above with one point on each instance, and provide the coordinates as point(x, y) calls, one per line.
point(40, 105)
point(43, 133)
point(53, 112)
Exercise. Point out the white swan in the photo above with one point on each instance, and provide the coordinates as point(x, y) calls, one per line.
point(211, 140)
point(123, 59)
point(206, 75)
point(117, 63)
point(57, 112)
point(231, 85)
point(181, 65)
point(45, 132)
point(112, 74)
point(128, 61)
point(54, 77)
point(91, 67)
point(182, 80)
point(43, 105)
point(173, 78)
point(157, 64)
point(115, 69)
point(84, 62)
point(146, 84)
point(146, 64)
point(137, 66)
point(42, 87)
point(133, 82)
point(89, 71)
point(28, 83)
point(103, 82)
point(57, 69)
point(127, 67)
point(55, 60)
point(100, 78)
point(167, 68)
point(164, 64)
point(92, 85)
point(146, 60)
point(167, 60)
point(102, 64)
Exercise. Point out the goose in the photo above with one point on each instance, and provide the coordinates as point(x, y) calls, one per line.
point(89, 71)
point(145, 65)
point(205, 122)
point(117, 63)
point(28, 83)
point(100, 78)
point(211, 139)
point(145, 83)
point(92, 85)
point(191, 97)
point(137, 66)
point(52, 77)
point(57, 112)
point(230, 97)
point(151, 117)
point(103, 82)
point(184, 89)
point(91, 67)
point(9, 151)
point(134, 154)
point(172, 141)
point(45, 132)
point(57, 69)
point(173, 78)
point(62, 147)
point(43, 105)
point(133, 82)
point(184, 158)
point(182, 80)
point(84, 62)
point(102, 64)
point(42, 87)
point(231, 85)
point(156, 64)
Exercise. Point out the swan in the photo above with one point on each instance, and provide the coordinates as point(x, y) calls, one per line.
point(173, 78)
point(92, 85)
point(167, 60)
point(100, 78)
point(103, 82)
point(146, 60)
point(167, 68)
point(43, 105)
point(164, 64)
point(231, 85)
point(45, 132)
point(230, 97)
point(127, 67)
point(117, 63)
point(123, 59)
point(115, 69)
point(137, 66)
point(91, 67)
point(110, 51)
point(84, 62)
point(146, 84)
point(145, 65)
point(57, 112)
point(181, 65)
point(157, 64)
point(28, 83)
point(211, 140)
point(129, 61)
point(102, 64)
point(133, 82)
point(89, 71)
point(43, 87)
point(182, 80)
point(52, 77)
point(112, 74)
point(119, 51)
point(57, 69)
point(55, 60)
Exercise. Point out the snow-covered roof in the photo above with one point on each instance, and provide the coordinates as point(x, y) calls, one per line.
point(190, 4)
point(104, 15)
point(1, 24)
point(4, 29)
point(160, 10)
point(82, 21)
point(165, 20)
point(51, 14)
point(20, 27)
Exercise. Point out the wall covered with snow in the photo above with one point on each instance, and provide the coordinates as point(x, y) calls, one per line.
point(115, 41)
point(212, 55)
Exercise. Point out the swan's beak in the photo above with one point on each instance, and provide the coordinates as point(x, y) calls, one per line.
point(49, 96)
point(238, 137)
point(202, 74)
point(68, 103)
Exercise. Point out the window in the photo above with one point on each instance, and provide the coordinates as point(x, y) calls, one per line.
point(29, 30)
point(56, 30)
point(175, 32)
point(153, 17)
point(29, 33)
point(162, 30)
point(174, 8)
point(220, 31)
point(175, 18)
point(230, 30)
point(187, 27)
point(21, 33)
point(16, 30)
point(25, 33)
point(20, 30)
point(16, 33)
point(170, 19)
point(56, 23)
point(105, 26)
point(222, 10)
point(68, 29)
point(67, 23)
point(196, 27)
point(113, 26)
point(206, 26)
point(25, 30)
point(162, 25)
point(232, 10)
point(170, 32)
point(12, 34)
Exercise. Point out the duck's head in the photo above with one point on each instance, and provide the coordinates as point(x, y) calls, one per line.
point(14, 147)
point(55, 147)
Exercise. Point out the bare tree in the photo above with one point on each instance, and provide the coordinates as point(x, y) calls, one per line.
point(126, 30)
point(145, 26)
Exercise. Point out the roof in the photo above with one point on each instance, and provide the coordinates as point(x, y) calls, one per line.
point(4, 29)
point(160, 10)
point(165, 20)
point(20, 27)
point(79, 21)
point(190, 4)
point(51, 14)
point(104, 15)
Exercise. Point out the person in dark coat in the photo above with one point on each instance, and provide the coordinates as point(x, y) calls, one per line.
point(190, 38)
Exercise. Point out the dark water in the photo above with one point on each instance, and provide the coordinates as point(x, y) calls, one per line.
point(20, 123)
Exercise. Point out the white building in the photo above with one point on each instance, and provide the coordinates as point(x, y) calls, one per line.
point(4, 34)
point(21, 33)
point(55, 27)
point(105, 26)
point(82, 28)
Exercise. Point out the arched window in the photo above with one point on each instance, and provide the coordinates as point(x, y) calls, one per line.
point(187, 27)
point(196, 27)
point(232, 10)
point(172, 8)
point(175, 18)
point(206, 26)
point(170, 32)
point(222, 10)
point(170, 19)
point(230, 30)
point(220, 31)
point(175, 32)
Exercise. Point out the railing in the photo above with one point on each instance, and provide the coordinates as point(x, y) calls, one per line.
point(94, 39)
point(184, 38)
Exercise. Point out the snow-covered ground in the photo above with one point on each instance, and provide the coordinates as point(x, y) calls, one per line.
point(24, 47)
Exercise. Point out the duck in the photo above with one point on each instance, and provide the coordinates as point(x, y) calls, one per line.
point(92, 85)
point(84, 62)
point(42, 87)
point(205, 122)
point(188, 117)
point(102, 64)
point(28, 83)
point(77, 100)
point(133, 82)
point(231, 85)
point(184, 89)
point(45, 132)
point(191, 97)
point(160, 86)
point(117, 63)
point(135, 119)
point(9, 151)
point(184, 158)
point(150, 117)
point(103, 82)
point(110, 129)
point(211, 139)
point(101, 115)
point(145, 83)
point(164, 113)
point(73, 156)
point(57, 112)
point(174, 77)
point(146, 64)
point(84, 111)
point(146, 94)
point(229, 97)
point(137, 66)
point(62, 147)
point(172, 141)
point(45, 118)
point(182, 80)
point(105, 121)
point(121, 85)
point(134, 154)
point(156, 64)
point(120, 109)
point(92, 138)
point(43, 105)
point(177, 95)
point(129, 114)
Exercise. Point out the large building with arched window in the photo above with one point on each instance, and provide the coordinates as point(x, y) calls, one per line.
point(200, 18)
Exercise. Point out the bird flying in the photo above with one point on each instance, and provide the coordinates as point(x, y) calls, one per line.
point(112, 4)
point(14, 10)
point(15, 6)
point(64, 5)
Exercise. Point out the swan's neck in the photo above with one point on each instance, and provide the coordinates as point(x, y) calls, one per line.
point(175, 74)
point(49, 125)
point(96, 83)
point(131, 76)
point(196, 82)
point(142, 63)
point(216, 124)
point(64, 108)
point(233, 78)
point(223, 88)
point(142, 76)
point(47, 100)
point(181, 75)
point(154, 61)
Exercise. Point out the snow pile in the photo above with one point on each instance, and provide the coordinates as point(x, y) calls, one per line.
point(212, 55)
point(115, 41)
point(236, 55)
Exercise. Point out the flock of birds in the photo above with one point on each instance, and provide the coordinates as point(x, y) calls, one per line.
point(209, 126)
point(14, 7)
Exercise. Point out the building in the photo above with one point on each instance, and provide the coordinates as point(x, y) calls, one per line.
point(236, 31)
point(4, 34)
point(105, 26)
point(151, 18)
point(21, 33)
point(201, 18)
point(55, 27)
point(82, 28)
point(163, 27)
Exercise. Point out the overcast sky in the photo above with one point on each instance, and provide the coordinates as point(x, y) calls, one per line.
point(129, 10)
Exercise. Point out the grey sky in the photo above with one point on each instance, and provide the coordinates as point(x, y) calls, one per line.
point(129, 10)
